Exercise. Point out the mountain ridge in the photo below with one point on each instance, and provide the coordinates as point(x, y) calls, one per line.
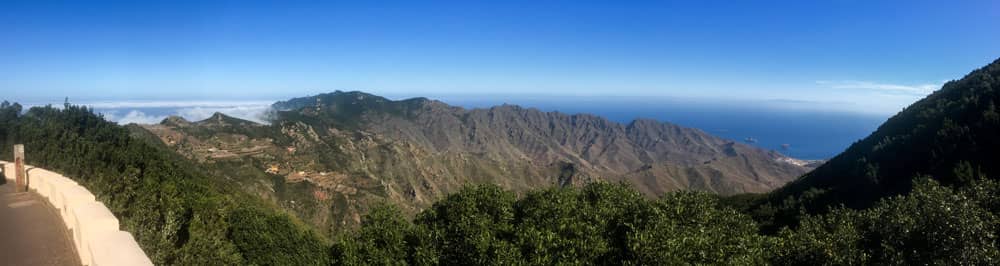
point(478, 129)
point(351, 149)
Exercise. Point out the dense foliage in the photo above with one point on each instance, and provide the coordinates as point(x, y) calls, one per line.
point(177, 214)
point(597, 224)
point(612, 224)
point(340, 109)
point(934, 224)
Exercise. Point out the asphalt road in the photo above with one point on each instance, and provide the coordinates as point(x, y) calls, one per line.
point(31, 231)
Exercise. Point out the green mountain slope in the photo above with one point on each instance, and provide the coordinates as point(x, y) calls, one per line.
point(952, 135)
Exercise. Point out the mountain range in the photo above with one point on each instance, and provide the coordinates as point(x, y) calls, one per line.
point(329, 157)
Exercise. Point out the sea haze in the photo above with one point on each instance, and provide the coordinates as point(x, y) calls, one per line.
point(809, 134)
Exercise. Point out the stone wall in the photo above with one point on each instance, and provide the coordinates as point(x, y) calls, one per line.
point(95, 230)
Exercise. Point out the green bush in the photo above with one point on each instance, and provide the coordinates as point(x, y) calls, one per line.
point(382, 240)
point(473, 226)
point(268, 238)
point(691, 227)
point(934, 224)
point(598, 224)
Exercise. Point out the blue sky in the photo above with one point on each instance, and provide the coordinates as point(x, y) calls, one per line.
point(867, 56)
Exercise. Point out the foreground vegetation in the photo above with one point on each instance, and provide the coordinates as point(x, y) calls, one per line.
point(613, 224)
point(176, 213)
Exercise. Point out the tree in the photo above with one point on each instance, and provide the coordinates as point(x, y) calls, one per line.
point(691, 227)
point(381, 240)
point(473, 226)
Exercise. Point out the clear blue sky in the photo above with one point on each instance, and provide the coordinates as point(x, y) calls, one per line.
point(877, 55)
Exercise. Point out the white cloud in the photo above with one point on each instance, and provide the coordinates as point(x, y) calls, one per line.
point(135, 116)
point(167, 104)
point(152, 112)
point(253, 113)
point(917, 90)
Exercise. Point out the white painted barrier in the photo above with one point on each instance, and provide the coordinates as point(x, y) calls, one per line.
point(114, 255)
point(91, 219)
point(41, 180)
point(72, 196)
point(96, 232)
point(54, 187)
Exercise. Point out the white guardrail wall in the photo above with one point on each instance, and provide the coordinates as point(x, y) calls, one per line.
point(95, 229)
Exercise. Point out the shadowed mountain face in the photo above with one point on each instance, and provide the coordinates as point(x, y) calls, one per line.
point(328, 157)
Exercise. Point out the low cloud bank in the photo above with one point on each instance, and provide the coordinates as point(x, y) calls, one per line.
point(133, 116)
point(174, 104)
point(153, 112)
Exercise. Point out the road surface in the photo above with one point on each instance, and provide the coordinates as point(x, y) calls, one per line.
point(31, 230)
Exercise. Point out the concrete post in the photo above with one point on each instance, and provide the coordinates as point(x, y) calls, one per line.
point(19, 171)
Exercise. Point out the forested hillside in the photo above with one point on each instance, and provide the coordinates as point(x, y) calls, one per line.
point(613, 224)
point(952, 135)
point(178, 215)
